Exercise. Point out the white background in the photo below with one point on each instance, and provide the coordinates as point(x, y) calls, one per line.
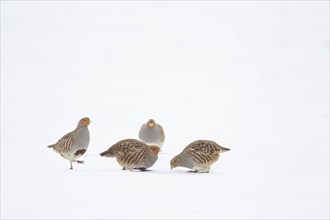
point(252, 76)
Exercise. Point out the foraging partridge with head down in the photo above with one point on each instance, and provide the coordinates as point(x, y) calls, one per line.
point(198, 156)
point(74, 144)
point(132, 154)
point(152, 133)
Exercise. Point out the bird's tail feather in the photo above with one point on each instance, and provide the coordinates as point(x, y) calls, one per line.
point(51, 146)
point(224, 149)
point(107, 153)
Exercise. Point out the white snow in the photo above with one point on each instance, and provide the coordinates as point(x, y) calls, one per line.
point(252, 76)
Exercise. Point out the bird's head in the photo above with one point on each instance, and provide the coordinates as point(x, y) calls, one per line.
point(154, 149)
point(85, 122)
point(175, 162)
point(151, 123)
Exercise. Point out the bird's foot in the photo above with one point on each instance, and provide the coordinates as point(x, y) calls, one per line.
point(196, 171)
point(80, 161)
point(143, 169)
point(192, 171)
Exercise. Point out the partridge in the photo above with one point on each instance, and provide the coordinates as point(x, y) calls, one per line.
point(198, 156)
point(152, 133)
point(132, 154)
point(74, 144)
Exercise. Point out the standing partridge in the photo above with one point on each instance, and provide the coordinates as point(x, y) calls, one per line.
point(152, 133)
point(74, 144)
point(132, 154)
point(198, 156)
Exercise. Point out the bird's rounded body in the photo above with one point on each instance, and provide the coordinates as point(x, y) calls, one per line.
point(198, 155)
point(74, 144)
point(133, 154)
point(152, 133)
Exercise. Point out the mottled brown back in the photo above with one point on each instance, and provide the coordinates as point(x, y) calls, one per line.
point(124, 147)
point(64, 144)
point(203, 151)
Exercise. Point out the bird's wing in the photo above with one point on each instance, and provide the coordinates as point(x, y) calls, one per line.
point(65, 143)
point(135, 154)
point(203, 147)
point(162, 134)
point(120, 148)
point(142, 131)
point(128, 146)
point(203, 152)
point(130, 151)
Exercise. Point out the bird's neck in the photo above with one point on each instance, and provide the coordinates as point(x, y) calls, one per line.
point(79, 127)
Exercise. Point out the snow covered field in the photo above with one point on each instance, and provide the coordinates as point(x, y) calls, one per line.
point(252, 76)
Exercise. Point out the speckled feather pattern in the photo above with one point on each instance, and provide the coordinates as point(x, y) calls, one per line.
point(75, 143)
point(204, 151)
point(132, 154)
point(199, 155)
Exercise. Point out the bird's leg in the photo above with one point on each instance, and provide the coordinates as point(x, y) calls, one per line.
point(80, 161)
point(123, 168)
point(71, 168)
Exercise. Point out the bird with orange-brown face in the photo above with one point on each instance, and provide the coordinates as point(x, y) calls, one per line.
point(75, 143)
point(132, 154)
point(152, 133)
point(198, 156)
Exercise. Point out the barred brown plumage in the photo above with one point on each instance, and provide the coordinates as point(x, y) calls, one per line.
point(74, 144)
point(199, 155)
point(152, 133)
point(133, 154)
